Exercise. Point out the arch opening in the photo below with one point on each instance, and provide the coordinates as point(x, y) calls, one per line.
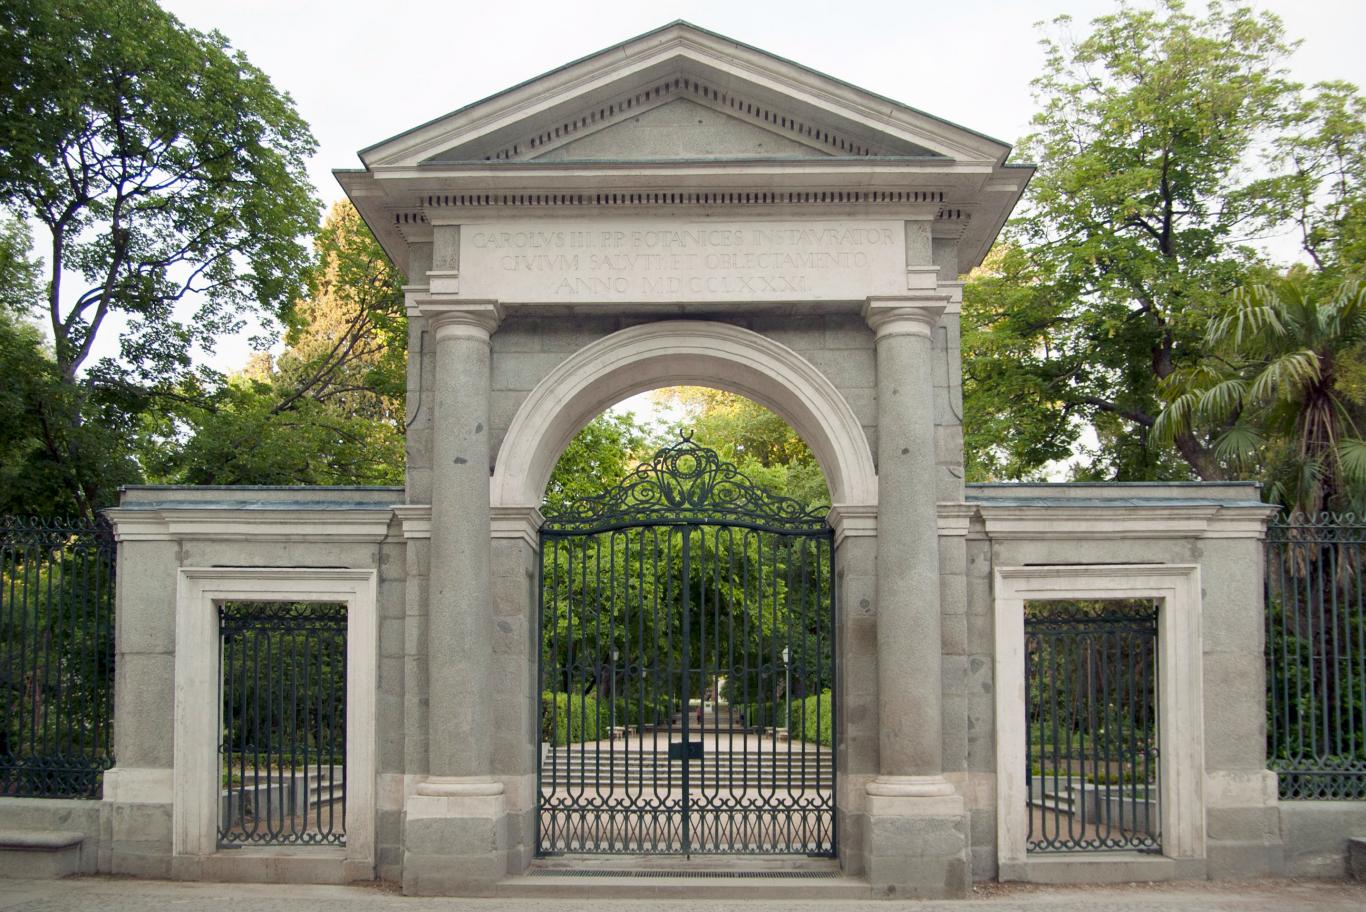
point(682, 353)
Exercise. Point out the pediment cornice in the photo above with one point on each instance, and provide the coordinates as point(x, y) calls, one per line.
point(681, 60)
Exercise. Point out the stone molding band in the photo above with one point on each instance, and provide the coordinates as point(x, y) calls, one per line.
point(459, 787)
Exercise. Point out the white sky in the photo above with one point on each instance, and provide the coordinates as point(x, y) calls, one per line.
point(361, 72)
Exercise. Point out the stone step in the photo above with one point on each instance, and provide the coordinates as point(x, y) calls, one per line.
point(40, 853)
point(702, 878)
point(699, 889)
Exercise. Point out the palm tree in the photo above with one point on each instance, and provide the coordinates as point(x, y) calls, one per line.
point(1273, 397)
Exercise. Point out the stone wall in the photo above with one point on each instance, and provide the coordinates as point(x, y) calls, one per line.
point(1216, 527)
point(163, 529)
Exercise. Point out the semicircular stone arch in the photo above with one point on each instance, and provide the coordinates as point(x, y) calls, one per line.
point(674, 353)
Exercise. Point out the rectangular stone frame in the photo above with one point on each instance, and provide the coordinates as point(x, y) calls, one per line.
point(195, 817)
point(1176, 587)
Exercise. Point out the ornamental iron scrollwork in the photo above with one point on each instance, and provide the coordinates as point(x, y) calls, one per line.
point(687, 483)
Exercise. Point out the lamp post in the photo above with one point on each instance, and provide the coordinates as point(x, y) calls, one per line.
point(616, 654)
point(787, 686)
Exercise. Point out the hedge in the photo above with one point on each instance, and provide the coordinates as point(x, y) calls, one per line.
point(572, 718)
point(803, 724)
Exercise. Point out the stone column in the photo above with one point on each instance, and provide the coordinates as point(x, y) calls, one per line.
point(455, 832)
point(915, 840)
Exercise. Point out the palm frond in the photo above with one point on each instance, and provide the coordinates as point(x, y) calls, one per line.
point(1351, 456)
point(1222, 400)
point(1256, 313)
point(1238, 445)
point(1285, 375)
point(1174, 419)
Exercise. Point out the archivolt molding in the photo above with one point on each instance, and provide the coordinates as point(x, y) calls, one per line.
point(701, 353)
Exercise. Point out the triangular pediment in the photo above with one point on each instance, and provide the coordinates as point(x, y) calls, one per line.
point(622, 104)
point(680, 130)
point(684, 117)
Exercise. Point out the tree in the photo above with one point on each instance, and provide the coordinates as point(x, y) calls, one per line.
point(330, 408)
point(1323, 155)
point(1282, 390)
point(169, 174)
point(1136, 224)
point(760, 443)
point(596, 459)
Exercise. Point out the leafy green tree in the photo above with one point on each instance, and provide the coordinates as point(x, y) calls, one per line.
point(1134, 228)
point(1271, 394)
point(1323, 159)
point(596, 459)
point(758, 441)
point(330, 409)
point(169, 175)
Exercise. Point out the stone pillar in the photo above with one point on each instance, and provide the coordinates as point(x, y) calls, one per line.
point(915, 838)
point(455, 828)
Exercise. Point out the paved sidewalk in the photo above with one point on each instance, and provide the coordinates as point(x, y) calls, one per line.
point(113, 894)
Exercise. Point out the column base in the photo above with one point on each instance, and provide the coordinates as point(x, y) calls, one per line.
point(916, 838)
point(454, 837)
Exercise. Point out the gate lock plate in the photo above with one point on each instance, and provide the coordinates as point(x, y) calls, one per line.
point(685, 750)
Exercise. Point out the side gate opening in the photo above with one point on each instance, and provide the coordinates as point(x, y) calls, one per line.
point(686, 668)
point(1091, 703)
point(282, 757)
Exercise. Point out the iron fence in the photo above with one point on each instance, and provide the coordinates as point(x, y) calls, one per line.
point(56, 657)
point(1316, 655)
point(283, 753)
point(1091, 696)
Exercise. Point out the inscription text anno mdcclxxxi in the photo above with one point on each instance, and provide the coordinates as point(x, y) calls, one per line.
point(646, 261)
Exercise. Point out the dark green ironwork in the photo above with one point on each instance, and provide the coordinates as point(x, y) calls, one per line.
point(687, 484)
point(1091, 696)
point(687, 667)
point(1316, 655)
point(283, 749)
point(56, 657)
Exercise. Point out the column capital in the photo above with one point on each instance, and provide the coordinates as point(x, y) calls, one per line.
point(852, 521)
point(459, 318)
point(522, 523)
point(904, 316)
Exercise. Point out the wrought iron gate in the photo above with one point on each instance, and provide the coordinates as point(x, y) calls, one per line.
point(687, 667)
point(1091, 703)
point(283, 753)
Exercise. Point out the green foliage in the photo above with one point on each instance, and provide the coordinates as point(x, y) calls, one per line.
point(1132, 233)
point(598, 457)
point(1270, 396)
point(573, 718)
point(1014, 423)
point(329, 410)
point(811, 719)
point(169, 176)
point(758, 441)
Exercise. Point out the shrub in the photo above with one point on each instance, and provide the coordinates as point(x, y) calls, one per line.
point(811, 719)
point(573, 718)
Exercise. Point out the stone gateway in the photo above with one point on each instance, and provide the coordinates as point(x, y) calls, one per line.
point(685, 209)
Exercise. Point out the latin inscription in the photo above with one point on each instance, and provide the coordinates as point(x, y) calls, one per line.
point(635, 261)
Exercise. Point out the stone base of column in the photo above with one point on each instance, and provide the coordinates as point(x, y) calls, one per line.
point(916, 838)
point(455, 838)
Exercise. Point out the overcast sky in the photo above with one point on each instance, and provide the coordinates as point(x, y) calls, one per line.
point(361, 72)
